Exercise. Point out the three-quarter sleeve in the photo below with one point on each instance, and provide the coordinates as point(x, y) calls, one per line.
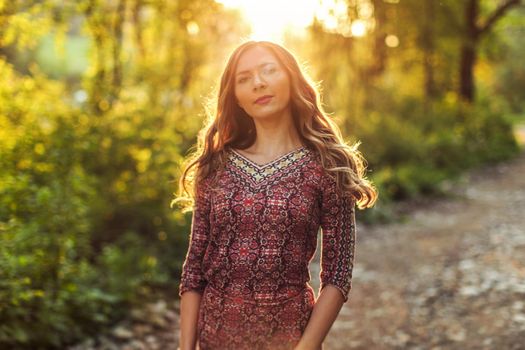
point(192, 277)
point(338, 237)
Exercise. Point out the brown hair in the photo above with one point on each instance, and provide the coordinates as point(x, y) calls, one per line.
point(232, 126)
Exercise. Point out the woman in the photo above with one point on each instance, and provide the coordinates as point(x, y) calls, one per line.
point(270, 170)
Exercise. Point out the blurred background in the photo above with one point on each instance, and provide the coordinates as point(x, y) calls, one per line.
point(100, 101)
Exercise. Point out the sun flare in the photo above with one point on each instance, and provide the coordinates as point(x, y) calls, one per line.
point(272, 19)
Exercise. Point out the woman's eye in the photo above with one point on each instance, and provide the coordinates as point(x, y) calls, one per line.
point(242, 80)
point(269, 70)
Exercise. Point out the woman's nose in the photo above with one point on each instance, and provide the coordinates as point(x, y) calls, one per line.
point(258, 80)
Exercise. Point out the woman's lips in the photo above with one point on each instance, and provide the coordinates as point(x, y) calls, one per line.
point(264, 100)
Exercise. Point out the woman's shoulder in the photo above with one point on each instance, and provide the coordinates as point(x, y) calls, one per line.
point(313, 170)
point(314, 163)
point(318, 172)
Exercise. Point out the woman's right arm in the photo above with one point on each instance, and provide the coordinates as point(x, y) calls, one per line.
point(193, 282)
point(189, 310)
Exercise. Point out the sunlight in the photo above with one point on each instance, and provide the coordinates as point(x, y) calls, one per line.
point(358, 28)
point(392, 40)
point(271, 19)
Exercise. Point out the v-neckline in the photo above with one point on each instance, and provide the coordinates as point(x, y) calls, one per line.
point(258, 174)
point(262, 166)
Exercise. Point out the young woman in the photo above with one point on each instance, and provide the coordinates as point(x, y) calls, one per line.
point(270, 170)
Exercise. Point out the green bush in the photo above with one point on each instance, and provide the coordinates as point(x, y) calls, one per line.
point(414, 149)
point(55, 286)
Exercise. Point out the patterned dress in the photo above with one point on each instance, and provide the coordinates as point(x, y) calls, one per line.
point(251, 244)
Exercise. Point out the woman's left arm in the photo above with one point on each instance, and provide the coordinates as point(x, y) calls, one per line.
point(337, 262)
point(323, 315)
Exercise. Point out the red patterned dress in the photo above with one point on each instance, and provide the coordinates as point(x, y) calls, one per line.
point(251, 244)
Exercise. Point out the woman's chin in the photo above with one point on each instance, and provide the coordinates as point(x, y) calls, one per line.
point(268, 114)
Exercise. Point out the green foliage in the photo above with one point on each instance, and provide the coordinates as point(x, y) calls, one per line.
point(56, 287)
point(419, 147)
point(44, 219)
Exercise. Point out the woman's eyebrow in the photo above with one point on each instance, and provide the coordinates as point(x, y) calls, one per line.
point(262, 64)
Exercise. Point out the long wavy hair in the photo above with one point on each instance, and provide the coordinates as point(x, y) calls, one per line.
point(231, 126)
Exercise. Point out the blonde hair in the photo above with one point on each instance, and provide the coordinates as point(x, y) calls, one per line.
point(232, 126)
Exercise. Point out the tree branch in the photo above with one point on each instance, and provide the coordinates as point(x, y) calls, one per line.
point(497, 14)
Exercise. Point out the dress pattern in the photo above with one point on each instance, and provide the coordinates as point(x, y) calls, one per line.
point(251, 243)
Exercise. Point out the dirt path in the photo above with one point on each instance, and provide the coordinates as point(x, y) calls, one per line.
point(451, 277)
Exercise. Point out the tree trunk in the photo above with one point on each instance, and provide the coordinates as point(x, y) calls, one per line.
point(468, 51)
point(468, 59)
point(471, 38)
point(428, 52)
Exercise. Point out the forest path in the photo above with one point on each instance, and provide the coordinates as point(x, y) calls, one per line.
point(451, 277)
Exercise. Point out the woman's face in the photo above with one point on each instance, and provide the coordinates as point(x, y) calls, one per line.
point(259, 74)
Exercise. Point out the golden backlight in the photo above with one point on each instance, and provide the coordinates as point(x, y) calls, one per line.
point(272, 19)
